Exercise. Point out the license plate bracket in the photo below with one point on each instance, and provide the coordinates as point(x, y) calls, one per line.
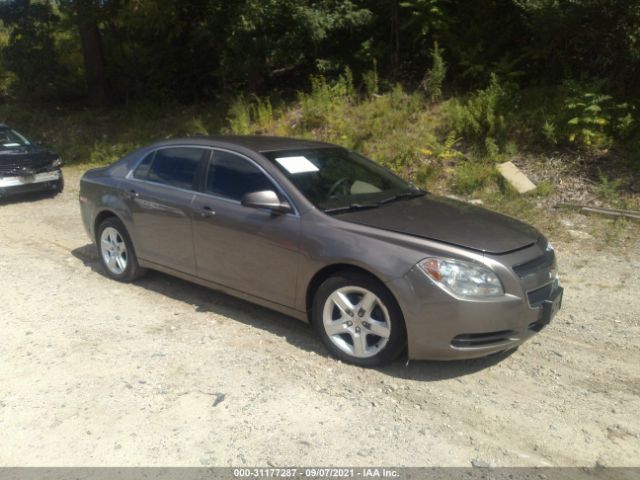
point(551, 306)
point(25, 179)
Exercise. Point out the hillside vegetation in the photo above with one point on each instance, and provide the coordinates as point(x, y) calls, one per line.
point(439, 91)
point(450, 147)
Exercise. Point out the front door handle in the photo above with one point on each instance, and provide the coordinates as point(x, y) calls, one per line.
point(207, 212)
point(132, 194)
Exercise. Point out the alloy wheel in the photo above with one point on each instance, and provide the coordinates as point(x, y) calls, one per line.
point(114, 250)
point(356, 321)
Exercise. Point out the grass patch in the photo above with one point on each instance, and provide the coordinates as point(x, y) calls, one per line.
point(470, 177)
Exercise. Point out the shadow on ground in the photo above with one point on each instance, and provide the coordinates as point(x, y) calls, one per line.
point(26, 197)
point(295, 332)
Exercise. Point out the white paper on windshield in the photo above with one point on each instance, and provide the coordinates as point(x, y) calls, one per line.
point(11, 145)
point(295, 165)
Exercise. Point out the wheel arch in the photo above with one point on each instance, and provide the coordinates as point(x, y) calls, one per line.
point(331, 270)
point(101, 217)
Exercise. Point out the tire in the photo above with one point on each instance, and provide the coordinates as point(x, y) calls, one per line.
point(58, 186)
point(116, 251)
point(347, 309)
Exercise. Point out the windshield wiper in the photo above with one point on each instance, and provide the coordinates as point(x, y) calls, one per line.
point(409, 194)
point(351, 206)
point(362, 206)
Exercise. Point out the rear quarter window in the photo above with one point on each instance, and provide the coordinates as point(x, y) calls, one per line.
point(142, 170)
point(172, 166)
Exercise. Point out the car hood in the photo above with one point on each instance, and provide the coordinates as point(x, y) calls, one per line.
point(448, 221)
point(29, 156)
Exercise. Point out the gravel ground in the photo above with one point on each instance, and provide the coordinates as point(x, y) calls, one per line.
point(163, 372)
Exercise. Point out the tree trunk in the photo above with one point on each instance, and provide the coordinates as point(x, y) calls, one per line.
point(94, 62)
point(395, 39)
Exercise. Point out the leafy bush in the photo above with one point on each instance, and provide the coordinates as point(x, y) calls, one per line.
point(324, 97)
point(371, 81)
point(239, 116)
point(195, 126)
point(104, 153)
point(587, 122)
point(549, 132)
point(480, 118)
point(250, 116)
point(580, 114)
point(432, 82)
point(262, 114)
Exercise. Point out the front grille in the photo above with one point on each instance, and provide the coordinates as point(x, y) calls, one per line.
point(538, 277)
point(33, 165)
point(539, 295)
point(482, 339)
point(544, 262)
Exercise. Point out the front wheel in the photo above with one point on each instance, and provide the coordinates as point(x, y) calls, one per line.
point(116, 251)
point(358, 320)
point(58, 186)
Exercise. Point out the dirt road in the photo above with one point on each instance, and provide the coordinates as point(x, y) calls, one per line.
point(163, 372)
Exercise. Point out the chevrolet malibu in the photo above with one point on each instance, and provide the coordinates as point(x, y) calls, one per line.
point(325, 235)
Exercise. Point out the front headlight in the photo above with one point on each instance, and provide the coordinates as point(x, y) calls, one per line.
point(56, 163)
point(462, 278)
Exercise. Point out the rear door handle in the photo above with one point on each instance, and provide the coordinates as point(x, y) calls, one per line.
point(207, 212)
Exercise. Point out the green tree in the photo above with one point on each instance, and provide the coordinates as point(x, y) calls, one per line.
point(584, 38)
point(30, 52)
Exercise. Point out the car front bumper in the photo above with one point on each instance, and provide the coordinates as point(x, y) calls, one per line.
point(443, 327)
point(39, 181)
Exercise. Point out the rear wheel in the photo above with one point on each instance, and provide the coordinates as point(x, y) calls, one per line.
point(116, 251)
point(358, 319)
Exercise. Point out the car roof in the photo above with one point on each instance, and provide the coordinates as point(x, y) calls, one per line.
point(257, 143)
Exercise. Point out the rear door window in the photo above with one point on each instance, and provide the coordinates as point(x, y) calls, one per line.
point(176, 166)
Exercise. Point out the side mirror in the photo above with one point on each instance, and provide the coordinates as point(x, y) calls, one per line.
point(265, 199)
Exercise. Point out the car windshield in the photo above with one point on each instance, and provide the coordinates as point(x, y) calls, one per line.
point(11, 139)
point(336, 179)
